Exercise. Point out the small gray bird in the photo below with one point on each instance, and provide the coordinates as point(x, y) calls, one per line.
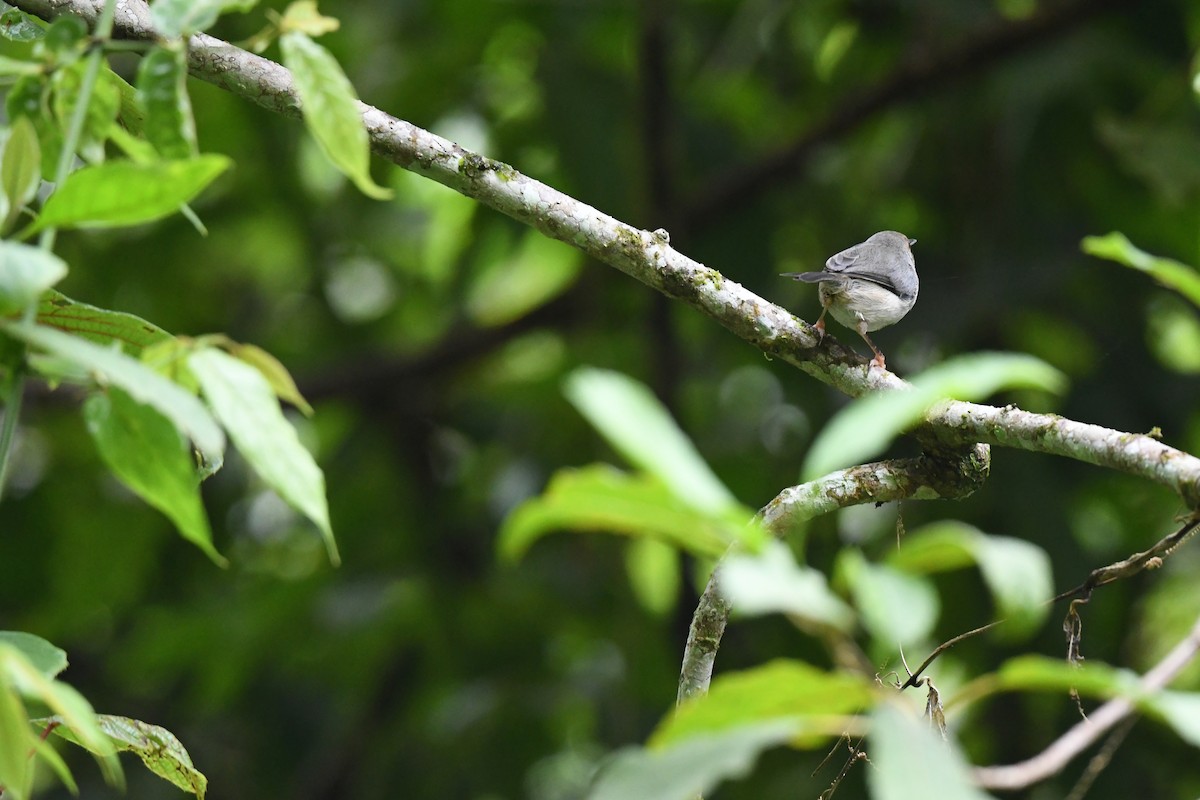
point(868, 286)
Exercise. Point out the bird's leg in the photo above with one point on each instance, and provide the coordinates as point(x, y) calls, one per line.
point(820, 325)
point(878, 360)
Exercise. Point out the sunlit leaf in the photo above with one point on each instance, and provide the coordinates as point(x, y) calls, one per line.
point(157, 747)
point(99, 325)
point(147, 453)
point(1173, 333)
point(771, 581)
point(1180, 710)
point(637, 425)
point(653, 570)
point(144, 384)
point(276, 374)
point(1017, 572)
point(246, 405)
point(124, 193)
point(508, 288)
point(779, 689)
point(162, 89)
point(1170, 273)
point(909, 760)
point(302, 16)
point(25, 272)
point(20, 168)
point(103, 103)
point(602, 499)
point(17, 26)
point(176, 18)
point(330, 108)
point(689, 768)
point(864, 428)
point(896, 607)
point(45, 657)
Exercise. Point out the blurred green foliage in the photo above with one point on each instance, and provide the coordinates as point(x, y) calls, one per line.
point(425, 666)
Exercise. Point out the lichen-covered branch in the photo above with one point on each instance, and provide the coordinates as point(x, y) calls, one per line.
point(921, 478)
point(649, 257)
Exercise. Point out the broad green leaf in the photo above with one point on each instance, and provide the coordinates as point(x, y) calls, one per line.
point(911, 762)
point(45, 657)
point(1170, 273)
point(176, 18)
point(770, 581)
point(864, 428)
point(25, 272)
point(896, 607)
point(247, 407)
point(509, 288)
point(653, 570)
point(157, 747)
point(1173, 333)
point(779, 689)
point(162, 90)
point(1180, 710)
point(144, 384)
point(20, 168)
point(602, 499)
point(103, 103)
point(1041, 673)
point(637, 425)
point(302, 16)
point(146, 452)
point(275, 373)
point(16, 741)
point(17, 26)
point(99, 325)
point(18, 674)
point(28, 98)
point(124, 193)
point(330, 109)
point(689, 768)
point(1017, 572)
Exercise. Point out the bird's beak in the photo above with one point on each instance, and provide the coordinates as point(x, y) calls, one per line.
point(911, 242)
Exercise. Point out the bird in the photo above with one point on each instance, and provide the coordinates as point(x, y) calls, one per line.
point(868, 286)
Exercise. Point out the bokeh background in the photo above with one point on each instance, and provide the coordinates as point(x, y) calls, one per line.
point(433, 335)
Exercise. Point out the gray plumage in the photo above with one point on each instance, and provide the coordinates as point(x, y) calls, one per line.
point(868, 286)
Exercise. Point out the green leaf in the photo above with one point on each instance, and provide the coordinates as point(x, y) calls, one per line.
point(17, 26)
point(771, 582)
point(146, 452)
point(509, 288)
point(18, 674)
point(653, 570)
point(1170, 273)
point(20, 168)
point(602, 499)
point(176, 18)
point(1041, 673)
point(779, 689)
point(302, 16)
point(157, 747)
point(247, 407)
point(864, 428)
point(16, 741)
point(45, 657)
point(1017, 572)
point(330, 109)
point(894, 606)
point(1180, 710)
point(125, 193)
point(103, 103)
point(25, 272)
point(690, 768)
point(1173, 333)
point(162, 90)
point(99, 325)
point(911, 762)
point(276, 374)
point(28, 98)
point(636, 424)
point(144, 384)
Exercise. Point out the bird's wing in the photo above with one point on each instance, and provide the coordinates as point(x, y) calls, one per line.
point(846, 264)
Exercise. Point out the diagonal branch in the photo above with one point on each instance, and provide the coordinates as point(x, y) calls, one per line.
point(648, 257)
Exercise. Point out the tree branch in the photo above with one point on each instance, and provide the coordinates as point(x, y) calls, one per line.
point(648, 257)
point(922, 478)
point(1052, 760)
